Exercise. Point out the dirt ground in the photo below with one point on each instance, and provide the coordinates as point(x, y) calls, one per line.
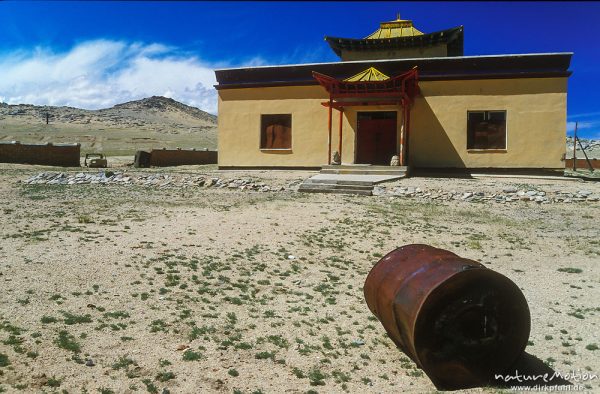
point(109, 288)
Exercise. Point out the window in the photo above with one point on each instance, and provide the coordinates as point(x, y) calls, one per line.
point(486, 130)
point(276, 131)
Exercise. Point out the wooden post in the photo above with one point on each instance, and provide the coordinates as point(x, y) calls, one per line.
point(329, 123)
point(401, 145)
point(340, 134)
point(407, 135)
point(575, 148)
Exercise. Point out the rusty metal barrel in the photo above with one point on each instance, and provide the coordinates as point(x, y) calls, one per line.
point(456, 319)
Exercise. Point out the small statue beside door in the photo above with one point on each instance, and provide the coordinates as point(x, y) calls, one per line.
point(336, 159)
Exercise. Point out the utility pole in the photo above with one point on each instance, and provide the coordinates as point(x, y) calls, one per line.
point(46, 114)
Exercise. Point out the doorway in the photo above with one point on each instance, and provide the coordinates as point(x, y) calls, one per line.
point(376, 140)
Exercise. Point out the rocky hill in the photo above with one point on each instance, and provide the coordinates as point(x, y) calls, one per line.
point(162, 104)
point(152, 122)
point(155, 113)
point(592, 148)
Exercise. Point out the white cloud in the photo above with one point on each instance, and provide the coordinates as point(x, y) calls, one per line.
point(101, 73)
point(584, 115)
point(580, 125)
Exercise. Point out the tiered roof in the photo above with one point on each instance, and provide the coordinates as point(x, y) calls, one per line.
point(532, 65)
point(395, 28)
point(400, 34)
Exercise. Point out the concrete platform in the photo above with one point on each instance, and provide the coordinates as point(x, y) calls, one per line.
point(353, 178)
point(364, 169)
point(345, 183)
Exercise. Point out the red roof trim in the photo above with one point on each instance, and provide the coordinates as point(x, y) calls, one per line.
point(403, 86)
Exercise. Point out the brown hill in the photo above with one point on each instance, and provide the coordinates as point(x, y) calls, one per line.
point(160, 103)
point(152, 122)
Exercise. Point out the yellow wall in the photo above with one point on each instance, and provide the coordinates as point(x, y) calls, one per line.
point(536, 124)
point(439, 50)
point(239, 126)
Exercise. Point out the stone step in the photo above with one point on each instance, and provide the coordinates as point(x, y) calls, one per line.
point(347, 182)
point(345, 190)
point(325, 184)
point(362, 166)
point(364, 172)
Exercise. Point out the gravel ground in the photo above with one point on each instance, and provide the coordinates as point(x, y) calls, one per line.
point(142, 288)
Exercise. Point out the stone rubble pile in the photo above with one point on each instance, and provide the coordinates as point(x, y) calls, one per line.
point(156, 180)
point(507, 195)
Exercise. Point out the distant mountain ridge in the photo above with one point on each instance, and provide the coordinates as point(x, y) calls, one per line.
point(151, 122)
point(159, 103)
point(162, 103)
point(153, 113)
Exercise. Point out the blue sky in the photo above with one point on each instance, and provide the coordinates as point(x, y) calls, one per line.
point(96, 54)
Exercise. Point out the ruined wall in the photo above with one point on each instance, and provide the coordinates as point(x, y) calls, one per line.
point(179, 157)
point(582, 164)
point(65, 155)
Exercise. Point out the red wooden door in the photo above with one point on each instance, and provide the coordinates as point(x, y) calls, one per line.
point(376, 138)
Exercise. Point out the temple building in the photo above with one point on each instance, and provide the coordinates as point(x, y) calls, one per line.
point(398, 97)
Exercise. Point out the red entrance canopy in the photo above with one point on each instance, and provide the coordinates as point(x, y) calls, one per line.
point(398, 90)
point(401, 87)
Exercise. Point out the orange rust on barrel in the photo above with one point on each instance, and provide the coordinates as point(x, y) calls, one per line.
point(456, 319)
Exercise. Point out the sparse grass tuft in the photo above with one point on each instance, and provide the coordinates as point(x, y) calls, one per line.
point(67, 341)
point(191, 355)
point(48, 319)
point(165, 376)
point(265, 355)
point(316, 377)
point(4, 361)
point(123, 362)
point(233, 372)
point(570, 270)
point(71, 319)
point(53, 382)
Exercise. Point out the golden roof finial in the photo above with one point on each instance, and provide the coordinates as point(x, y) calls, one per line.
point(395, 28)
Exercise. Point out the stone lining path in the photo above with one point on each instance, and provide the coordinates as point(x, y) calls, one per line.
point(508, 195)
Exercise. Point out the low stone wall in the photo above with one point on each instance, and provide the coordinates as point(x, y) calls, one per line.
point(582, 164)
point(64, 155)
point(176, 157)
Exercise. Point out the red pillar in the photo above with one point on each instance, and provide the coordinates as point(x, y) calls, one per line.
point(402, 133)
point(329, 122)
point(340, 134)
point(407, 129)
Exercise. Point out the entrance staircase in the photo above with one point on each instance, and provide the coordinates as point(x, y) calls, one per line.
point(351, 179)
point(365, 169)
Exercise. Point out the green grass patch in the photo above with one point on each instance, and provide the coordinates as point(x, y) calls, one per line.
point(570, 270)
point(67, 341)
point(191, 355)
point(4, 361)
point(71, 319)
